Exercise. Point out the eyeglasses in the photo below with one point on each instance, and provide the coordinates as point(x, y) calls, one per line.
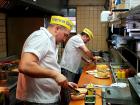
point(65, 32)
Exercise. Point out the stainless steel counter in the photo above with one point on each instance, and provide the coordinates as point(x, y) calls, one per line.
point(119, 96)
point(135, 89)
point(135, 83)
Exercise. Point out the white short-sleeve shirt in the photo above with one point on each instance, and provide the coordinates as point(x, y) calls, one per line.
point(40, 90)
point(72, 54)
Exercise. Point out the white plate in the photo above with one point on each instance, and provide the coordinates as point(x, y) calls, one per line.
point(106, 69)
point(90, 71)
point(95, 71)
point(96, 75)
point(119, 84)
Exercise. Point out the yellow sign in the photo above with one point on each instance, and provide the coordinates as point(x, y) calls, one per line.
point(62, 21)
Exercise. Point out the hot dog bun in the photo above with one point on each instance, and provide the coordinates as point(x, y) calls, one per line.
point(82, 90)
point(78, 97)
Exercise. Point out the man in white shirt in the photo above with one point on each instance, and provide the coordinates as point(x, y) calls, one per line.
point(73, 53)
point(72, 56)
point(40, 78)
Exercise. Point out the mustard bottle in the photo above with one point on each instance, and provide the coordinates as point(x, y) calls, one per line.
point(119, 74)
point(90, 89)
point(123, 74)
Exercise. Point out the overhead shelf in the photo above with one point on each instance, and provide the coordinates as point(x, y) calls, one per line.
point(39, 8)
point(135, 10)
point(134, 14)
point(126, 15)
point(119, 10)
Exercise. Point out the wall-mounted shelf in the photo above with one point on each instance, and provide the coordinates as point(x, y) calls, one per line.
point(125, 55)
point(119, 10)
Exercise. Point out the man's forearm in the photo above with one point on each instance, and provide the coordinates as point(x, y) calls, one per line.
point(36, 71)
point(90, 55)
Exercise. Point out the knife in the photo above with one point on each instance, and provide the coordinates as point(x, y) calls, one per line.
point(72, 89)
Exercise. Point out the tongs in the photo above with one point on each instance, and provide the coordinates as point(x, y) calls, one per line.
point(73, 90)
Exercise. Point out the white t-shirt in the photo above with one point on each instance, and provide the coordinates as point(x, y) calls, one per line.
point(72, 54)
point(40, 90)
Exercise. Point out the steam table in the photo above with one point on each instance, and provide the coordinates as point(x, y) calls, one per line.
point(86, 79)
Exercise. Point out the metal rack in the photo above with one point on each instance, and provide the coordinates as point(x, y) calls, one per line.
point(114, 66)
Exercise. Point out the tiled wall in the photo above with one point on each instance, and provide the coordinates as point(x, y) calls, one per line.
point(89, 16)
point(2, 36)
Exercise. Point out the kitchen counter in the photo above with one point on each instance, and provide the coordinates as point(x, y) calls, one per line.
point(8, 90)
point(10, 83)
point(86, 79)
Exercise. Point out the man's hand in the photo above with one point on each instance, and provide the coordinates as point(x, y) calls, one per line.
point(89, 61)
point(61, 80)
point(72, 84)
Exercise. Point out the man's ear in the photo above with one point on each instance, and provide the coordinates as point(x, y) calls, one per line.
point(56, 28)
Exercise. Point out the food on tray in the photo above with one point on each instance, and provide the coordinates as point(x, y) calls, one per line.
point(97, 57)
point(4, 90)
point(15, 70)
point(102, 74)
point(90, 71)
point(82, 90)
point(102, 67)
point(77, 97)
point(80, 96)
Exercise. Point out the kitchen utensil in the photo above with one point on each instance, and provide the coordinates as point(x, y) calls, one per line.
point(73, 90)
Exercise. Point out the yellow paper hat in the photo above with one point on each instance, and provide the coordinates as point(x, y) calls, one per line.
point(88, 32)
point(62, 21)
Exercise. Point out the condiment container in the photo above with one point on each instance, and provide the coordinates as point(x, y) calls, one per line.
point(90, 89)
point(90, 100)
point(119, 75)
point(123, 74)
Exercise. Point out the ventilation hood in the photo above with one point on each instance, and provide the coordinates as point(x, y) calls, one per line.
point(39, 8)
